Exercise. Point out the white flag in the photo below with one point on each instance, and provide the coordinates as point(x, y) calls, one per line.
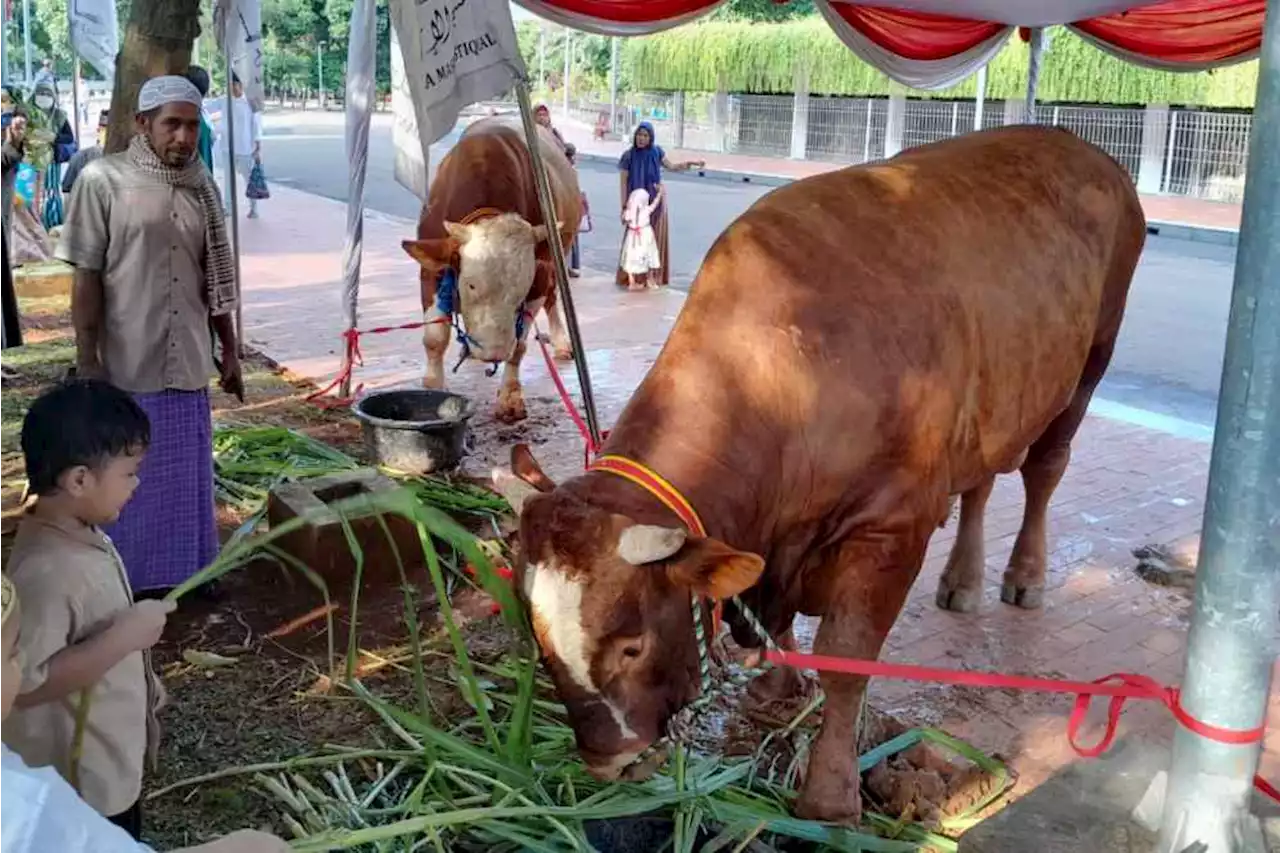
point(95, 33)
point(454, 53)
point(411, 154)
point(240, 22)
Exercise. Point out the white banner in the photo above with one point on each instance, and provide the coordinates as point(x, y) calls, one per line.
point(455, 53)
point(240, 21)
point(411, 154)
point(95, 33)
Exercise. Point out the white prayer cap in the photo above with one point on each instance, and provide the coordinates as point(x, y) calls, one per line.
point(170, 89)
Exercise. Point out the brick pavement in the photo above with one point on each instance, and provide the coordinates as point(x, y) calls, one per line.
point(1159, 208)
point(1126, 486)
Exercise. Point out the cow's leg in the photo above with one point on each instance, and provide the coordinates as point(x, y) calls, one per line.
point(510, 395)
point(1046, 462)
point(780, 683)
point(960, 588)
point(875, 572)
point(559, 336)
point(435, 340)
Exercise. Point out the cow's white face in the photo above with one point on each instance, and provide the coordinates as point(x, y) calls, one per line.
point(496, 267)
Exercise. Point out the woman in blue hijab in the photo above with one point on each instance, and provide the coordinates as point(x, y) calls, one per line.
point(641, 167)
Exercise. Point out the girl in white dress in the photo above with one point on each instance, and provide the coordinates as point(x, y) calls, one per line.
point(640, 253)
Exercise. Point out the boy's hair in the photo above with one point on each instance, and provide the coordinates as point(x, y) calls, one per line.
point(79, 422)
point(199, 78)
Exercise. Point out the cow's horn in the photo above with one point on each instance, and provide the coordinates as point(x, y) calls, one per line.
point(458, 231)
point(648, 543)
point(511, 487)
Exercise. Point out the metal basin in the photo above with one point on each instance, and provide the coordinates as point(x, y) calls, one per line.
point(417, 431)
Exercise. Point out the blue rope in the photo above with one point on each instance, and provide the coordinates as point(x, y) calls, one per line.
point(447, 304)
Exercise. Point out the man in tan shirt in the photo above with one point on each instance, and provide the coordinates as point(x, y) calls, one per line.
point(154, 272)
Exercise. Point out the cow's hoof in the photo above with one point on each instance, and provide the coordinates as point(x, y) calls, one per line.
point(1026, 597)
point(960, 600)
point(432, 384)
point(846, 810)
point(564, 353)
point(510, 407)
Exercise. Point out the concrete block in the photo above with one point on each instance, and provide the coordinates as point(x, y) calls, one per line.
point(40, 281)
point(321, 543)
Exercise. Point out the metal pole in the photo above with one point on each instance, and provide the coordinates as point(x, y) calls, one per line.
point(980, 100)
point(229, 117)
point(557, 258)
point(75, 97)
point(1236, 613)
point(26, 38)
point(568, 63)
point(1033, 71)
point(1166, 184)
point(613, 85)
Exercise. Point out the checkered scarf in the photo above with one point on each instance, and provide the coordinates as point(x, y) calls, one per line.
point(9, 600)
point(219, 265)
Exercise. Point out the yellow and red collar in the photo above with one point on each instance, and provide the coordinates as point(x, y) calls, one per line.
point(670, 497)
point(653, 483)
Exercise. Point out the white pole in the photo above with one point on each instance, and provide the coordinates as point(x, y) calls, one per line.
point(568, 64)
point(542, 55)
point(613, 84)
point(361, 53)
point(26, 38)
point(980, 100)
point(4, 41)
point(229, 118)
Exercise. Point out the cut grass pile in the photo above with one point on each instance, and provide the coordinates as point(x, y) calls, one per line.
point(509, 777)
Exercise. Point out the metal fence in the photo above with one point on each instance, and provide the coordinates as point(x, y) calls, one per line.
point(1196, 153)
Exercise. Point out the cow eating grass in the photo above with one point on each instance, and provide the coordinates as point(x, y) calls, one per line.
point(857, 348)
point(482, 249)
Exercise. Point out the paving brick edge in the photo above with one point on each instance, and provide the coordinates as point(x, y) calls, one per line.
point(1161, 228)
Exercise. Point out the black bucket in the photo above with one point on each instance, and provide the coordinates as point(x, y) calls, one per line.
point(416, 431)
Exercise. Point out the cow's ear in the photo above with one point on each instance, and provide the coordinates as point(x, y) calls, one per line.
point(714, 570)
point(524, 466)
point(513, 489)
point(432, 254)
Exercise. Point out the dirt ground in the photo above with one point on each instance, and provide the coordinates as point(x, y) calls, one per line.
point(269, 697)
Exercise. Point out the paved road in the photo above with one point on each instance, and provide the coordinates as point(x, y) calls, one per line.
point(1167, 364)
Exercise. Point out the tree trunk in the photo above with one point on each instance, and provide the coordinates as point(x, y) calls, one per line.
point(157, 40)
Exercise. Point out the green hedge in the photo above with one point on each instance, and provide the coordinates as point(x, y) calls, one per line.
point(763, 59)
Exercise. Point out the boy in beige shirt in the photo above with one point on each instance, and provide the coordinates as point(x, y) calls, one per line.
point(81, 632)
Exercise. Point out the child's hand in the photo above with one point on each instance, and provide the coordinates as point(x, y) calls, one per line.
point(139, 628)
point(243, 841)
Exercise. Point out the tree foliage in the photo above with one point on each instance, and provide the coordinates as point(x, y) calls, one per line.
point(771, 11)
point(750, 58)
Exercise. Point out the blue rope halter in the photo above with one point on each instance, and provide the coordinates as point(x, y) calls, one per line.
point(447, 303)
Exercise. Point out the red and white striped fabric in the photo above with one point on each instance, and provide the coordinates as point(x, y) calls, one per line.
point(931, 44)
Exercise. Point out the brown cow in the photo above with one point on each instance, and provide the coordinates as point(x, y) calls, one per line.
point(857, 347)
point(482, 219)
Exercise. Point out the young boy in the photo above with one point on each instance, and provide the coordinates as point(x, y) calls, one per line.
point(41, 812)
point(82, 634)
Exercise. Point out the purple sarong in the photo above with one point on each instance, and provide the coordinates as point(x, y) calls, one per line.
point(168, 530)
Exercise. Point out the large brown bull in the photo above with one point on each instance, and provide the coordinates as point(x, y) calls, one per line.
point(857, 348)
point(482, 223)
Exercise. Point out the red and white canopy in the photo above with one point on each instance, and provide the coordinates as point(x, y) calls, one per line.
point(931, 44)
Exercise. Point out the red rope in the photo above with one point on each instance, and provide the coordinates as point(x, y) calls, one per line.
point(592, 448)
point(353, 357)
point(1121, 687)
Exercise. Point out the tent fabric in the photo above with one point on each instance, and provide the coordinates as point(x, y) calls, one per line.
point(932, 44)
point(928, 58)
